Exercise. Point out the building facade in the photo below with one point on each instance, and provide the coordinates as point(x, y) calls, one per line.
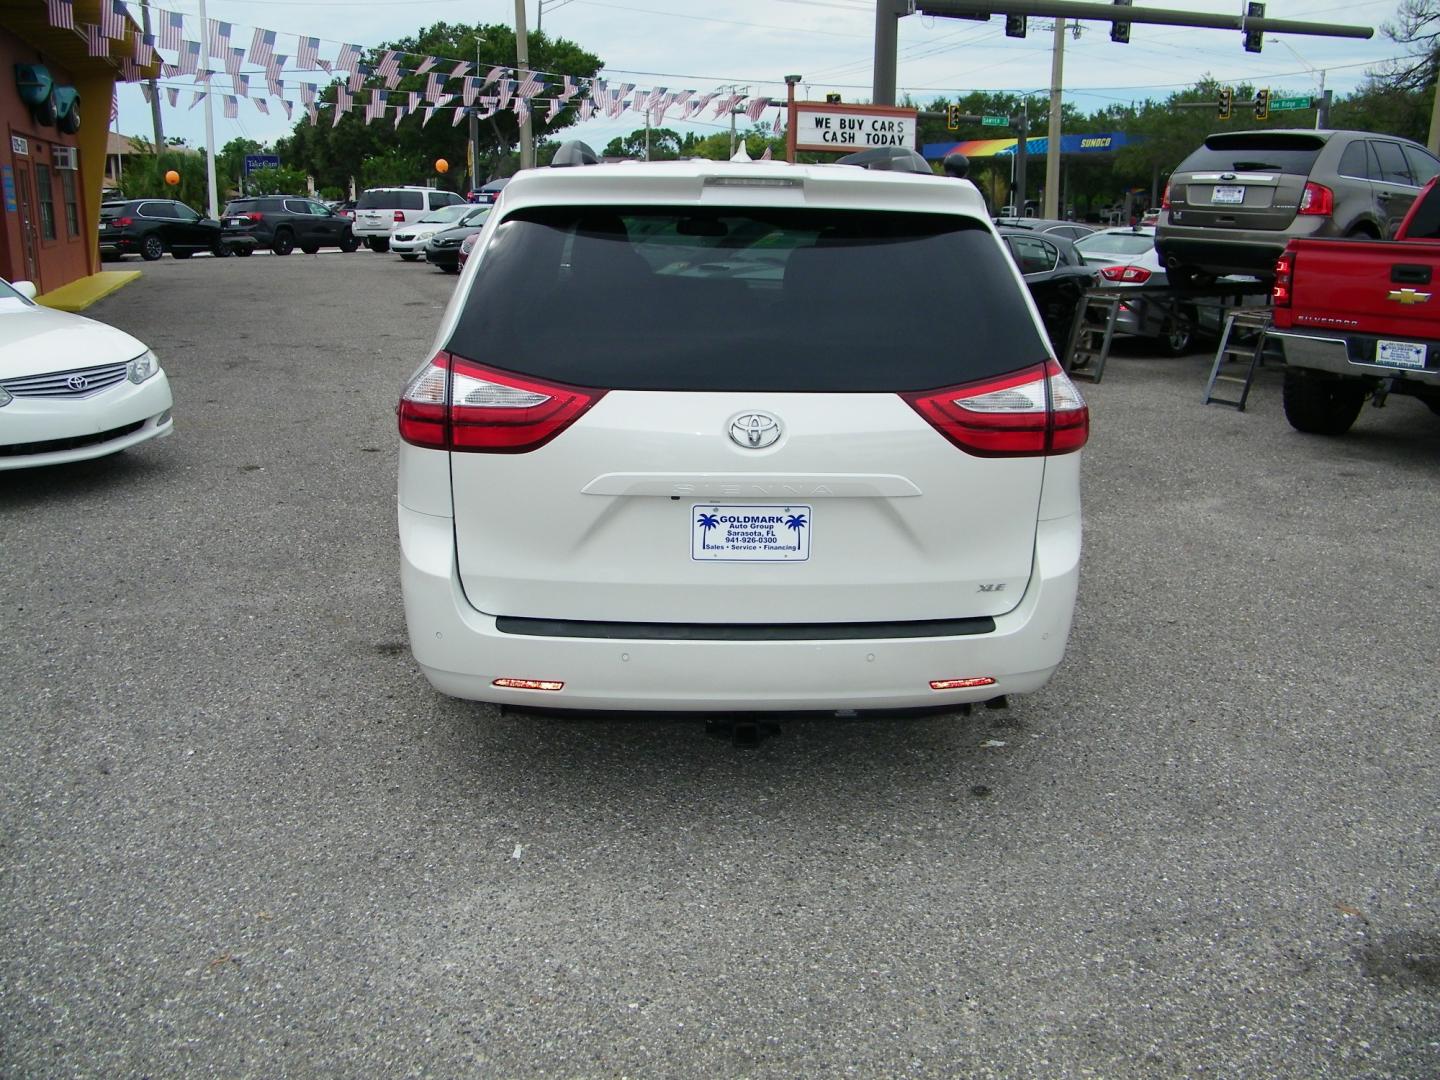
point(52, 167)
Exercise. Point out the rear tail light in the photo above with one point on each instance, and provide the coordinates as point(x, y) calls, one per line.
point(1165, 199)
point(255, 215)
point(1036, 410)
point(123, 222)
point(399, 216)
point(455, 404)
point(1318, 200)
point(1280, 292)
point(1132, 275)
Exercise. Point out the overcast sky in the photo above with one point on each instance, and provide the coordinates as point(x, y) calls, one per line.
point(681, 44)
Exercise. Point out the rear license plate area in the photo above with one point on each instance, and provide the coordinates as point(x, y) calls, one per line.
point(1227, 195)
point(721, 532)
point(1400, 354)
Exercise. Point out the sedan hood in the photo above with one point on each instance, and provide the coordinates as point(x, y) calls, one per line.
point(37, 340)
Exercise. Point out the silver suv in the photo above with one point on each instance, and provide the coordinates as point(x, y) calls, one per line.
point(1233, 204)
point(379, 210)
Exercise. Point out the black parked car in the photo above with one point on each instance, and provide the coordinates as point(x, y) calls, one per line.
point(1056, 275)
point(151, 227)
point(443, 249)
point(284, 222)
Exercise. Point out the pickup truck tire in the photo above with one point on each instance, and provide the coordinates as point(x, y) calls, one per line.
point(1318, 405)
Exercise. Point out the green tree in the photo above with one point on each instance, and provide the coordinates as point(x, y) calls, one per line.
point(145, 171)
point(281, 181)
point(381, 152)
point(665, 145)
point(230, 163)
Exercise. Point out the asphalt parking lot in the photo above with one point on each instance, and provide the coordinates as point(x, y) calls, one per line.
point(243, 837)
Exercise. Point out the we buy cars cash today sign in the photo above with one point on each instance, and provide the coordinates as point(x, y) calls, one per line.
point(843, 128)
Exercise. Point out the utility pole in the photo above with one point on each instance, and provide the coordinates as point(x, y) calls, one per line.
point(1052, 153)
point(154, 86)
point(475, 181)
point(214, 207)
point(647, 134)
point(522, 61)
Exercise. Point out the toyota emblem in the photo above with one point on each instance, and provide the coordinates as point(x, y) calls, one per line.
point(78, 382)
point(755, 430)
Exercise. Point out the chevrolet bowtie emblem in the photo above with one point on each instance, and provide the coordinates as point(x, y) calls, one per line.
point(1409, 296)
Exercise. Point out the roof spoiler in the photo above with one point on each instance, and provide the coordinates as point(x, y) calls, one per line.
point(889, 159)
point(573, 152)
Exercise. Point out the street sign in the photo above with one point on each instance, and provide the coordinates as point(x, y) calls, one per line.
point(261, 161)
point(995, 121)
point(1286, 104)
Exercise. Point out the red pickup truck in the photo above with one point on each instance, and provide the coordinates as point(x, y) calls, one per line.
point(1360, 319)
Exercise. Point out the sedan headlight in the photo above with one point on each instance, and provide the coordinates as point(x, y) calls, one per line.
point(143, 367)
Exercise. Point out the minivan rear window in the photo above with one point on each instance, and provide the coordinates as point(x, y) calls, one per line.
point(1261, 151)
point(719, 299)
point(391, 200)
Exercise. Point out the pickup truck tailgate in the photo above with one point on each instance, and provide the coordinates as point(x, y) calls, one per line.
point(1366, 287)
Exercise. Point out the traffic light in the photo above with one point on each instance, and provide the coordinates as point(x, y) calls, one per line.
point(1014, 25)
point(1227, 98)
point(1253, 38)
point(1262, 104)
point(1120, 31)
point(952, 117)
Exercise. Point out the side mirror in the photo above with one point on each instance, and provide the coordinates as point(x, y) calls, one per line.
point(25, 288)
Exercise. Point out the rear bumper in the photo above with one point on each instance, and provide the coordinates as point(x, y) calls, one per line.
point(461, 650)
point(1245, 253)
point(1333, 355)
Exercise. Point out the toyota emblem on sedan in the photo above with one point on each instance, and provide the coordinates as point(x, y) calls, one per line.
point(78, 382)
point(755, 430)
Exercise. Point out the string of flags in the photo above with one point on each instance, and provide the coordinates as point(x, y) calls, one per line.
point(457, 86)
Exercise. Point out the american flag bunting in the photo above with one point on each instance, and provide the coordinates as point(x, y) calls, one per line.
point(219, 37)
point(232, 106)
point(461, 70)
point(506, 88)
point(725, 104)
point(285, 104)
point(112, 19)
point(469, 90)
point(425, 65)
point(529, 87)
point(96, 43)
point(756, 107)
point(494, 73)
point(62, 14)
point(553, 110)
point(389, 66)
point(233, 59)
point(522, 110)
point(262, 48)
point(261, 104)
point(144, 49)
point(189, 57)
point(459, 115)
point(172, 94)
point(349, 57)
point(198, 97)
point(242, 85)
point(172, 29)
point(307, 52)
point(433, 89)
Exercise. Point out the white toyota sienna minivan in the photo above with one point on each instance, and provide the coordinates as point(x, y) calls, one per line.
point(727, 436)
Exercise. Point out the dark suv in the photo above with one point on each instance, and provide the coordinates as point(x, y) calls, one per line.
point(1233, 204)
point(151, 227)
point(284, 222)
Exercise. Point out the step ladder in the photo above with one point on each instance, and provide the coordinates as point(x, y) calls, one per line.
point(1235, 360)
point(1092, 334)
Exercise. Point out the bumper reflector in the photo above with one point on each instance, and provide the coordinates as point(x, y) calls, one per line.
point(529, 684)
point(961, 684)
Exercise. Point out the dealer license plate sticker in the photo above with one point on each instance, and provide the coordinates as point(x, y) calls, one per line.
point(731, 533)
point(1228, 195)
point(1401, 354)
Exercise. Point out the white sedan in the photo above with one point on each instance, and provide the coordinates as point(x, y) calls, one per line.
point(72, 388)
point(408, 241)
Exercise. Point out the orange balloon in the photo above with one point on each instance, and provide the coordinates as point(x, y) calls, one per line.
point(442, 166)
point(172, 178)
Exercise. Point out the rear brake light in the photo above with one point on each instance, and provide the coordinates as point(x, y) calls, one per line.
point(529, 684)
point(1135, 275)
point(123, 222)
point(1036, 410)
point(455, 404)
point(961, 684)
point(1280, 292)
point(399, 215)
point(1165, 199)
point(1318, 200)
point(255, 215)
